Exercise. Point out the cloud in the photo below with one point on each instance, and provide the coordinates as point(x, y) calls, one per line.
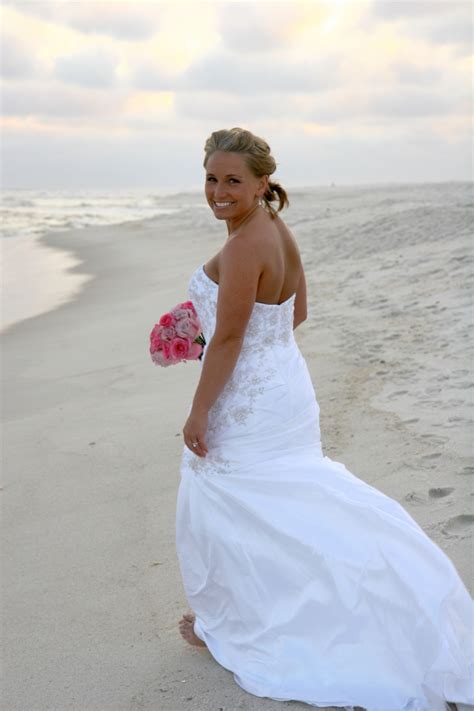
point(401, 102)
point(454, 30)
point(230, 108)
point(54, 100)
point(99, 82)
point(409, 73)
point(413, 9)
point(149, 77)
point(44, 9)
point(108, 160)
point(121, 20)
point(443, 22)
point(16, 60)
point(395, 104)
point(261, 27)
point(227, 72)
point(100, 159)
point(89, 68)
point(117, 19)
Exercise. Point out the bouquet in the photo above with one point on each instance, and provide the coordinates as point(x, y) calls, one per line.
point(177, 336)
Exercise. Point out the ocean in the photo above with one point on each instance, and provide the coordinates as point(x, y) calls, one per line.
point(354, 221)
point(36, 278)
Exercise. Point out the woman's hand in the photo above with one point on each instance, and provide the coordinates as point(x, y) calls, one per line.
point(195, 431)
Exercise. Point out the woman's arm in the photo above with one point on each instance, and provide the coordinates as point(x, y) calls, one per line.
point(301, 309)
point(239, 272)
point(220, 360)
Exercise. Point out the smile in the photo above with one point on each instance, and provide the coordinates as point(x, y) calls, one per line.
point(223, 204)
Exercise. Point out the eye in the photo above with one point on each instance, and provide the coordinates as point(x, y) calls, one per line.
point(211, 178)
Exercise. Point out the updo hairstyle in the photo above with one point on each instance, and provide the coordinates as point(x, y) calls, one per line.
point(256, 153)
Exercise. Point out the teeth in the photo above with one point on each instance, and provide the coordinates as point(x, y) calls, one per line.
point(222, 204)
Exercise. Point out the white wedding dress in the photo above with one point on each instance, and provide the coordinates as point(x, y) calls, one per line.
point(308, 583)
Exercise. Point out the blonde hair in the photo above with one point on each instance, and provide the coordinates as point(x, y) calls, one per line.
point(256, 153)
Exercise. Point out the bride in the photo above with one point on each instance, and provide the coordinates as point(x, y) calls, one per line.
point(304, 581)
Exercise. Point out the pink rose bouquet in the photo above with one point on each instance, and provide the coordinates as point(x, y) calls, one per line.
point(177, 336)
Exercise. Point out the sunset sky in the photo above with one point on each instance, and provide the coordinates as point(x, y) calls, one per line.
point(124, 94)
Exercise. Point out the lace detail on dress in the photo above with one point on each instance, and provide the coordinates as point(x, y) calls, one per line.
point(235, 403)
point(269, 326)
point(212, 463)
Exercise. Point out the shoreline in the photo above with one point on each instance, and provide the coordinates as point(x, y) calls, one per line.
point(59, 262)
point(58, 274)
point(92, 433)
point(48, 274)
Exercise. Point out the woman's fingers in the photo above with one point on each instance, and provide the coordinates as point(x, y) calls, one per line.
point(200, 450)
point(194, 431)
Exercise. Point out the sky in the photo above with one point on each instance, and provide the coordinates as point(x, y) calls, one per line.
point(124, 94)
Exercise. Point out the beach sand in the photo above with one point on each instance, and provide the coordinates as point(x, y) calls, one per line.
point(92, 440)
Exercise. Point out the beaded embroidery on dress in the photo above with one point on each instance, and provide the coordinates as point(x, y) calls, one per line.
point(308, 583)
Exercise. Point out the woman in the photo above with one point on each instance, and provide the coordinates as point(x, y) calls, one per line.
point(303, 580)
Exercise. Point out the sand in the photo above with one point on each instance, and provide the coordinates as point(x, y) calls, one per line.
point(92, 440)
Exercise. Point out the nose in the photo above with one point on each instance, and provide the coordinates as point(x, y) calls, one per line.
point(218, 191)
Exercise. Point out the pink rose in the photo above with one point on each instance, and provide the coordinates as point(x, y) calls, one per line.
point(168, 333)
point(166, 348)
point(179, 313)
point(188, 305)
point(160, 359)
point(168, 353)
point(167, 320)
point(188, 328)
point(155, 338)
point(195, 351)
point(180, 348)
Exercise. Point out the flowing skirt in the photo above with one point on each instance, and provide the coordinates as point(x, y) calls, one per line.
point(308, 583)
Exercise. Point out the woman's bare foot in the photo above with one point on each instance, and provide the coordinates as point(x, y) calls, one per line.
point(186, 625)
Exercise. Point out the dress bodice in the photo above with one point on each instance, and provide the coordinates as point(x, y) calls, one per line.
point(269, 360)
point(270, 325)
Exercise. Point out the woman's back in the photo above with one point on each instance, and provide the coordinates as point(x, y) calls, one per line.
point(276, 248)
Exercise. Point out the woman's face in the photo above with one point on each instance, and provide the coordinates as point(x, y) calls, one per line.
point(231, 189)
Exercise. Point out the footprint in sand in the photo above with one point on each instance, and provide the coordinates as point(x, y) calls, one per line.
point(458, 526)
point(397, 393)
point(467, 470)
point(434, 440)
point(440, 492)
point(433, 455)
point(414, 498)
